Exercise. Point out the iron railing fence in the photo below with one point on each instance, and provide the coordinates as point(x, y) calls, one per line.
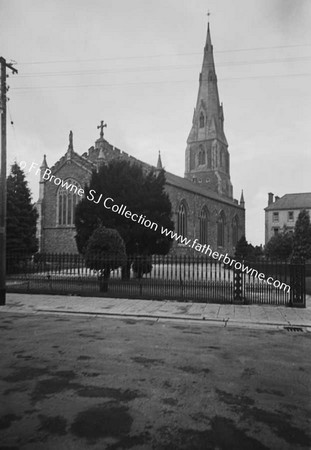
point(172, 277)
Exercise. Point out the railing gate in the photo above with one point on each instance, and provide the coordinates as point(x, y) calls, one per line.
point(298, 285)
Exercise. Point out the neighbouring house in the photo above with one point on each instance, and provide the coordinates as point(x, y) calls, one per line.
point(283, 212)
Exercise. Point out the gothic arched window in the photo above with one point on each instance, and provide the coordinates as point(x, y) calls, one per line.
point(235, 230)
point(201, 156)
point(67, 199)
point(209, 159)
point(182, 219)
point(203, 225)
point(202, 120)
point(221, 230)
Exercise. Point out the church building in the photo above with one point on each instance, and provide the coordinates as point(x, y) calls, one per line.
point(203, 206)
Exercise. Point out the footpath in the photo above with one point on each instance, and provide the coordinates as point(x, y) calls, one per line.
point(251, 316)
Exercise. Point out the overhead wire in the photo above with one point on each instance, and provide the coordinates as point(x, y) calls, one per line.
point(158, 68)
point(98, 71)
point(113, 58)
point(154, 82)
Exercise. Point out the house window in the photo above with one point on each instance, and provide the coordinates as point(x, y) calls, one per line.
point(67, 199)
point(235, 231)
point(221, 230)
point(203, 225)
point(275, 231)
point(291, 215)
point(182, 220)
point(202, 120)
point(275, 217)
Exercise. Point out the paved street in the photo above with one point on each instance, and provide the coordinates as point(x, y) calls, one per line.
point(262, 316)
point(73, 381)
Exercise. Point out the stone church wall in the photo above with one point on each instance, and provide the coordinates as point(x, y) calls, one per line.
point(58, 238)
point(194, 203)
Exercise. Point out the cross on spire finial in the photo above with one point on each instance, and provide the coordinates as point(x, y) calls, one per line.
point(208, 16)
point(102, 126)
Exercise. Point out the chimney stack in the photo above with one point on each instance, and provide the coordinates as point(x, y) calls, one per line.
point(270, 198)
point(276, 198)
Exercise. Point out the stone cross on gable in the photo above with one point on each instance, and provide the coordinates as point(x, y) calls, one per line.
point(102, 126)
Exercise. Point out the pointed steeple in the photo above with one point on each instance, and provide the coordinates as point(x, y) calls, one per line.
point(242, 202)
point(208, 113)
point(159, 163)
point(70, 146)
point(208, 36)
point(42, 182)
point(207, 156)
point(208, 58)
point(44, 164)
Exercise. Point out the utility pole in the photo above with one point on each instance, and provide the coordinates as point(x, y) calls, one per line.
point(3, 99)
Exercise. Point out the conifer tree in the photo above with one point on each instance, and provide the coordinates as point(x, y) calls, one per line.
point(302, 237)
point(105, 244)
point(245, 250)
point(21, 215)
point(280, 246)
point(141, 193)
point(241, 250)
point(105, 251)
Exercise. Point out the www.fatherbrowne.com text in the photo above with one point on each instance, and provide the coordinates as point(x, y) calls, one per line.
point(110, 204)
point(224, 258)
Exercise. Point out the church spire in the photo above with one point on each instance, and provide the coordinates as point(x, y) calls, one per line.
point(43, 167)
point(207, 156)
point(242, 201)
point(70, 145)
point(208, 37)
point(208, 114)
point(44, 164)
point(159, 163)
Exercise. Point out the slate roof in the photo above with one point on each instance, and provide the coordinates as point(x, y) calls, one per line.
point(184, 183)
point(88, 160)
point(292, 201)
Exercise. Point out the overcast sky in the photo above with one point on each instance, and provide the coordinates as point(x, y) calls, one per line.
point(135, 64)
